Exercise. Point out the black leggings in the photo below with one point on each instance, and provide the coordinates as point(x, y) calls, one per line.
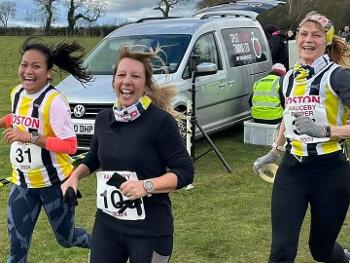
point(323, 183)
point(110, 246)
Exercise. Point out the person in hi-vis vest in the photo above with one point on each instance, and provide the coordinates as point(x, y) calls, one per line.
point(266, 97)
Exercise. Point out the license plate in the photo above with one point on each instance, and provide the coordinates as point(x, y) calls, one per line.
point(83, 127)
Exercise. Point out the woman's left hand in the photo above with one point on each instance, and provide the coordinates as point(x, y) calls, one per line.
point(133, 189)
point(305, 125)
point(13, 134)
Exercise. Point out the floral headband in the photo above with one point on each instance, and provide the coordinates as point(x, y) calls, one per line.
point(324, 22)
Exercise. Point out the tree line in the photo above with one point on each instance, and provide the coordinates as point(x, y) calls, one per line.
point(286, 16)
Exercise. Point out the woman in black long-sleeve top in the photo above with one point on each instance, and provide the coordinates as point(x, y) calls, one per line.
point(142, 158)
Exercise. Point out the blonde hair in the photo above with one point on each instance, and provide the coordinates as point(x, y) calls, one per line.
point(338, 52)
point(161, 95)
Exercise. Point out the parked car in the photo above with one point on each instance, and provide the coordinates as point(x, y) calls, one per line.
point(231, 39)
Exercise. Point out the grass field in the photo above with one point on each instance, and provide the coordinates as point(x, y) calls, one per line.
point(225, 218)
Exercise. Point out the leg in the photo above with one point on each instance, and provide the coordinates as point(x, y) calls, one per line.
point(149, 249)
point(106, 245)
point(287, 213)
point(288, 208)
point(23, 211)
point(329, 206)
point(61, 217)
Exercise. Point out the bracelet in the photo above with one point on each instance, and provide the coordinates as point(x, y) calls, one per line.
point(278, 147)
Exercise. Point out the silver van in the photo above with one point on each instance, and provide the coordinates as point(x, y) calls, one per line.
point(231, 39)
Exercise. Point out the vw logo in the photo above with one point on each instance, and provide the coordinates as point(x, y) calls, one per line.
point(79, 111)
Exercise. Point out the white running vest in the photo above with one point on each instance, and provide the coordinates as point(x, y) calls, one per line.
point(315, 99)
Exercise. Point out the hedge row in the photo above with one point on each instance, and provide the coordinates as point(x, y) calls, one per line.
point(98, 31)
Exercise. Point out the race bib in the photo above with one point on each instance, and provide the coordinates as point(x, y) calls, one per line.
point(26, 156)
point(307, 106)
point(111, 201)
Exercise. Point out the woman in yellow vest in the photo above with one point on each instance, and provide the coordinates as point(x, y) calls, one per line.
point(314, 170)
point(41, 135)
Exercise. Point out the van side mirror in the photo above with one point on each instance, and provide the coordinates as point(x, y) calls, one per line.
point(206, 68)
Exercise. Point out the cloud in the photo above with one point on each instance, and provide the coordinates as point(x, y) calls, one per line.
point(135, 9)
point(117, 11)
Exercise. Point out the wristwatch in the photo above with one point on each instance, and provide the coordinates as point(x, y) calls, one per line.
point(149, 186)
point(34, 136)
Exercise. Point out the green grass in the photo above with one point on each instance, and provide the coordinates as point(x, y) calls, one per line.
point(225, 218)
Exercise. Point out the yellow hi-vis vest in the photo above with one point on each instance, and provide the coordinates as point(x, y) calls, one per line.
point(266, 101)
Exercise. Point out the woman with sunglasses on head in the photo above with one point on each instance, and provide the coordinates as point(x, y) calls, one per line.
point(315, 170)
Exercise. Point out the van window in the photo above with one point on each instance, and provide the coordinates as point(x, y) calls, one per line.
point(205, 50)
point(244, 46)
point(101, 61)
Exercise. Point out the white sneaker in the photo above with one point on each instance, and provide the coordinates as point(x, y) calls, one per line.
point(190, 186)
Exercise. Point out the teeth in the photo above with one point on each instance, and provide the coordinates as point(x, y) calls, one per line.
point(126, 92)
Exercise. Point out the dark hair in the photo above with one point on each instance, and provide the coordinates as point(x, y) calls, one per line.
point(270, 29)
point(61, 56)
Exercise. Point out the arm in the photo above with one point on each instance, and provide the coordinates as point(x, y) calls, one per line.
point(64, 140)
point(5, 122)
point(88, 165)
point(340, 80)
point(280, 139)
point(340, 132)
point(80, 172)
point(275, 153)
point(174, 156)
point(165, 183)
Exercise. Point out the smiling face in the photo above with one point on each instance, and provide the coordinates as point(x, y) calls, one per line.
point(129, 81)
point(311, 42)
point(33, 71)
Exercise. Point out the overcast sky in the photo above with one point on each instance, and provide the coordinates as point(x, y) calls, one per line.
point(116, 11)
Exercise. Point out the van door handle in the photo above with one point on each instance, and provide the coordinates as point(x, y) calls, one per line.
point(231, 82)
point(222, 85)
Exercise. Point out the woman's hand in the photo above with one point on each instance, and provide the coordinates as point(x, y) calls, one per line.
point(13, 134)
point(305, 125)
point(133, 189)
point(272, 156)
point(72, 182)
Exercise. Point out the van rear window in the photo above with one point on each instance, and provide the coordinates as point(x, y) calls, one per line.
point(244, 46)
point(101, 61)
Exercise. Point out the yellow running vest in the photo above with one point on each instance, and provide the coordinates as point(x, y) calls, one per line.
point(32, 165)
point(314, 98)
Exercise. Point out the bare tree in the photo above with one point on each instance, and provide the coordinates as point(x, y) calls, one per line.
point(165, 5)
point(47, 10)
point(45, 14)
point(7, 10)
point(89, 10)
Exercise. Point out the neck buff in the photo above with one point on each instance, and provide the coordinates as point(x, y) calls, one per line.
point(132, 112)
point(305, 72)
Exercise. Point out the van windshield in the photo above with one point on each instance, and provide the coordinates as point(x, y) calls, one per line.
point(101, 61)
